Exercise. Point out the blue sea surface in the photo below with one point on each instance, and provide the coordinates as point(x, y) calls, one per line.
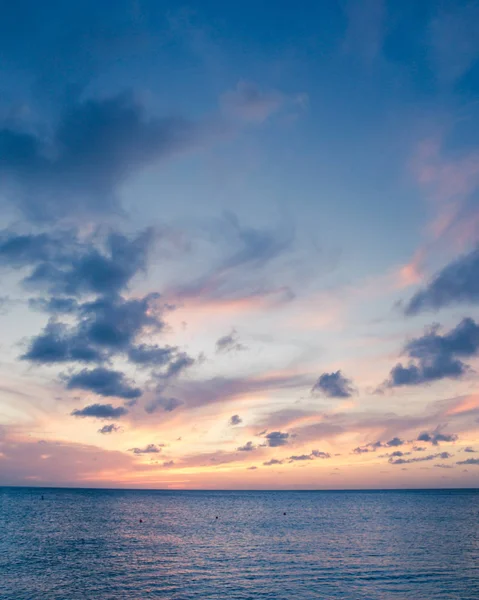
point(90, 544)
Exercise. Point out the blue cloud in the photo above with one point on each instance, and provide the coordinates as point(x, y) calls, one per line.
point(469, 461)
point(167, 404)
point(111, 428)
point(436, 436)
point(104, 382)
point(229, 343)
point(96, 146)
point(151, 355)
point(56, 345)
point(435, 356)
point(405, 461)
point(148, 449)
point(333, 385)
point(457, 283)
point(235, 420)
point(62, 263)
point(101, 411)
point(248, 447)
point(277, 438)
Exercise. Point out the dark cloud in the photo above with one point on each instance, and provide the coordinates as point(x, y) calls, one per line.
point(436, 436)
point(101, 411)
point(434, 356)
point(371, 447)
point(104, 327)
point(469, 461)
point(468, 449)
point(395, 442)
point(56, 345)
point(419, 449)
point(167, 404)
point(300, 457)
point(151, 355)
point(61, 262)
point(229, 343)
point(273, 461)
point(333, 385)
point(149, 449)
point(104, 382)
point(180, 363)
point(235, 420)
point(96, 146)
point(456, 283)
point(168, 463)
point(111, 428)
point(319, 454)
point(251, 468)
point(396, 453)
point(404, 461)
point(248, 447)
point(276, 438)
point(57, 306)
point(440, 466)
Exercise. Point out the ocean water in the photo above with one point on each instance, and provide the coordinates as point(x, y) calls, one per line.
point(90, 544)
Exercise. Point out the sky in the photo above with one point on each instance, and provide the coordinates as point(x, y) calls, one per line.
point(239, 244)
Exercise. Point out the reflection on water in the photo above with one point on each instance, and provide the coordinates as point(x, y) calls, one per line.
point(90, 544)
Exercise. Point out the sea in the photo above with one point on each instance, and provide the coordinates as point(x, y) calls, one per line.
point(69, 544)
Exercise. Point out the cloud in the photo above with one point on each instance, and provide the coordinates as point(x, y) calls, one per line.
point(273, 461)
point(436, 436)
point(404, 461)
point(251, 468)
point(371, 447)
point(57, 306)
point(248, 447)
point(468, 449)
point(168, 463)
point(276, 438)
point(180, 363)
point(167, 404)
point(57, 345)
point(457, 283)
point(395, 442)
point(111, 428)
point(149, 449)
point(151, 355)
point(333, 385)
point(444, 466)
point(104, 327)
point(235, 420)
point(319, 454)
point(61, 262)
point(469, 461)
point(300, 457)
point(101, 411)
point(96, 146)
point(104, 382)
point(229, 343)
point(434, 356)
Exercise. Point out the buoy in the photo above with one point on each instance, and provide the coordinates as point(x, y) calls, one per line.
point(216, 517)
point(284, 513)
point(141, 521)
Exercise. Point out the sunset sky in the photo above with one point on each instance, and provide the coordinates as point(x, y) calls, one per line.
point(238, 244)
